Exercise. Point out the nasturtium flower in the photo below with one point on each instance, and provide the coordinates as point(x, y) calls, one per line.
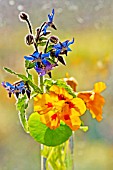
point(60, 92)
point(48, 106)
point(62, 48)
point(59, 105)
point(50, 22)
point(71, 112)
point(37, 57)
point(17, 88)
point(93, 100)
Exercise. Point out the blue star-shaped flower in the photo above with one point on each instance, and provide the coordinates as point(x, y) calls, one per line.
point(45, 68)
point(37, 57)
point(16, 88)
point(50, 22)
point(62, 48)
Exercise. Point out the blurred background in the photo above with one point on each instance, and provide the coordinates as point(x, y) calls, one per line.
point(91, 60)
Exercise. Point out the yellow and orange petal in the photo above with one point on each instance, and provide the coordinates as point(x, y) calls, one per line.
point(99, 87)
point(43, 103)
point(51, 119)
point(60, 92)
point(94, 101)
point(71, 117)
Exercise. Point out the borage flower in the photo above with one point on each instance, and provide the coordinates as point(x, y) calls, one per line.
point(59, 105)
point(45, 67)
point(37, 57)
point(93, 100)
point(62, 48)
point(17, 88)
point(50, 22)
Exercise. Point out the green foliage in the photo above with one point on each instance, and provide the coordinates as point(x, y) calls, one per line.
point(42, 134)
point(42, 43)
point(48, 83)
point(49, 48)
point(21, 105)
point(42, 38)
point(29, 64)
point(50, 60)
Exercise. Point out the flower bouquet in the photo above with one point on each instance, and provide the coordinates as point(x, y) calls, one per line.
point(58, 107)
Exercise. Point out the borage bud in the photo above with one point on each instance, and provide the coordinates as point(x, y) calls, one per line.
point(53, 26)
point(47, 33)
point(29, 39)
point(23, 16)
point(54, 39)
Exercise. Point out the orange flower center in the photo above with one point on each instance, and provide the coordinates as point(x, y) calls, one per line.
point(66, 117)
point(54, 117)
point(61, 97)
point(49, 104)
point(71, 105)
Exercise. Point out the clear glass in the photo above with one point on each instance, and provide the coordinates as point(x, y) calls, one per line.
point(59, 157)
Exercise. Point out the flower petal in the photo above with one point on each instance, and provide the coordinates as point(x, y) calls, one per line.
point(99, 87)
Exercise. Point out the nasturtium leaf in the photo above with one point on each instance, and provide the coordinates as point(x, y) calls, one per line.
point(44, 135)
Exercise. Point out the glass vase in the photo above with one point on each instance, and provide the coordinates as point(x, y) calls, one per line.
point(59, 157)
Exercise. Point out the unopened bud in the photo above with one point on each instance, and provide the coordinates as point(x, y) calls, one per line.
point(29, 39)
point(53, 26)
point(47, 33)
point(23, 16)
point(54, 39)
point(71, 81)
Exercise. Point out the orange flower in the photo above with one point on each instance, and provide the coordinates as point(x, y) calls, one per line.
point(51, 119)
point(72, 109)
point(59, 105)
point(71, 112)
point(94, 101)
point(48, 106)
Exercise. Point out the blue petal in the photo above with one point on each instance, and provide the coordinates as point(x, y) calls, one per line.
point(29, 58)
point(53, 12)
point(45, 28)
point(69, 49)
point(10, 85)
point(35, 54)
point(65, 43)
point(46, 55)
point(21, 85)
point(50, 18)
point(45, 62)
point(71, 42)
point(57, 46)
point(57, 52)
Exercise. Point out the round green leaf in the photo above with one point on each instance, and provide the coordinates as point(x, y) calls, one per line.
point(44, 135)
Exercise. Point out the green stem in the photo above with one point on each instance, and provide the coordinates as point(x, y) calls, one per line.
point(42, 83)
